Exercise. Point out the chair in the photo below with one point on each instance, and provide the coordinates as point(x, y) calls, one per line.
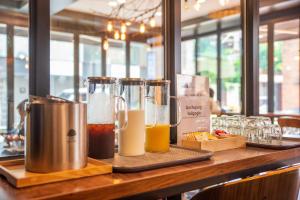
point(289, 122)
point(282, 184)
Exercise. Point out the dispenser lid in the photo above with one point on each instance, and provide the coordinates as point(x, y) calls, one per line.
point(101, 79)
point(157, 82)
point(131, 81)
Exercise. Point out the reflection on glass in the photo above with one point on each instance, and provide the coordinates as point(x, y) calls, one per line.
point(62, 65)
point(3, 81)
point(21, 70)
point(216, 28)
point(263, 69)
point(110, 26)
point(231, 71)
point(116, 66)
point(286, 67)
point(207, 60)
point(14, 55)
point(89, 61)
point(188, 64)
point(138, 60)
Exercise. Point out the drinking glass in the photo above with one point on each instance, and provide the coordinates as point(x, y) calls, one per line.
point(223, 122)
point(251, 129)
point(215, 121)
point(277, 132)
point(235, 124)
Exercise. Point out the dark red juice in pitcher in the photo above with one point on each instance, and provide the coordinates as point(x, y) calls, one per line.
point(101, 140)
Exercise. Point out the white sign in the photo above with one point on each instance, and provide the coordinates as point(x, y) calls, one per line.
point(193, 92)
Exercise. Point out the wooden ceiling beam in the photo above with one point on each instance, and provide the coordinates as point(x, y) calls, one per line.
point(200, 19)
point(74, 22)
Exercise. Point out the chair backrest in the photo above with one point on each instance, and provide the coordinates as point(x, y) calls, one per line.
point(289, 122)
point(274, 185)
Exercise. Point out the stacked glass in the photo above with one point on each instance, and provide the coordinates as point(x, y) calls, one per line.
point(255, 128)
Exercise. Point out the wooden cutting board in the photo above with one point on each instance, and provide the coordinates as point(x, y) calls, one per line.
point(15, 173)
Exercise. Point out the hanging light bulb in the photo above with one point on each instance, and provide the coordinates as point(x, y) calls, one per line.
point(123, 36)
point(113, 3)
point(158, 14)
point(222, 2)
point(105, 44)
point(117, 35)
point(186, 4)
point(109, 26)
point(128, 23)
point(142, 28)
point(123, 28)
point(197, 6)
point(152, 22)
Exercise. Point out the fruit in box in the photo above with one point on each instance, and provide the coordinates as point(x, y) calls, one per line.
point(216, 141)
point(199, 136)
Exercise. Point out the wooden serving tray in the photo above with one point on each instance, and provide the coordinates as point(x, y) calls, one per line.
point(231, 142)
point(15, 173)
point(176, 156)
point(276, 145)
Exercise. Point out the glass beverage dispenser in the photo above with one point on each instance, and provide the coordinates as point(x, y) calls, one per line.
point(132, 138)
point(158, 115)
point(102, 109)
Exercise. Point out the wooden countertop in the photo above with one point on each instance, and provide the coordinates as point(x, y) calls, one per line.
point(223, 166)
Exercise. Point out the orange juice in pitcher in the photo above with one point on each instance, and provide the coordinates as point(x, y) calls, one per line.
point(157, 107)
point(157, 138)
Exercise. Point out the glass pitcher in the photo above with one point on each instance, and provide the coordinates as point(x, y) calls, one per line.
point(158, 115)
point(131, 139)
point(102, 108)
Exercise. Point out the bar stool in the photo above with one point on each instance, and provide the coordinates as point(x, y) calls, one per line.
point(290, 122)
point(279, 184)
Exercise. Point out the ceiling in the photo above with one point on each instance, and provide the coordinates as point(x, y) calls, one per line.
point(129, 10)
point(207, 7)
point(102, 7)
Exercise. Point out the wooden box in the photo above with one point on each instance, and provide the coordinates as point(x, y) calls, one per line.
point(229, 142)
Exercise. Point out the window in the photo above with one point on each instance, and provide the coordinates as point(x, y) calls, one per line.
point(207, 60)
point(14, 80)
point(263, 69)
point(212, 47)
point(156, 59)
point(89, 56)
point(21, 70)
point(188, 64)
point(62, 65)
point(286, 67)
point(138, 60)
point(3, 81)
point(231, 63)
point(89, 61)
point(116, 63)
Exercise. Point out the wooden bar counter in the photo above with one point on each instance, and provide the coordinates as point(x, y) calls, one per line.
point(223, 166)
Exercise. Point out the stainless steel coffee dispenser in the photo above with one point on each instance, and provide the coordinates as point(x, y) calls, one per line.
point(56, 135)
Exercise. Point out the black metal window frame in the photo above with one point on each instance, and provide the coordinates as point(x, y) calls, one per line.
point(218, 33)
point(270, 20)
point(39, 47)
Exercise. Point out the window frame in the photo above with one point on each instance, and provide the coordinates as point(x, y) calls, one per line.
point(270, 21)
